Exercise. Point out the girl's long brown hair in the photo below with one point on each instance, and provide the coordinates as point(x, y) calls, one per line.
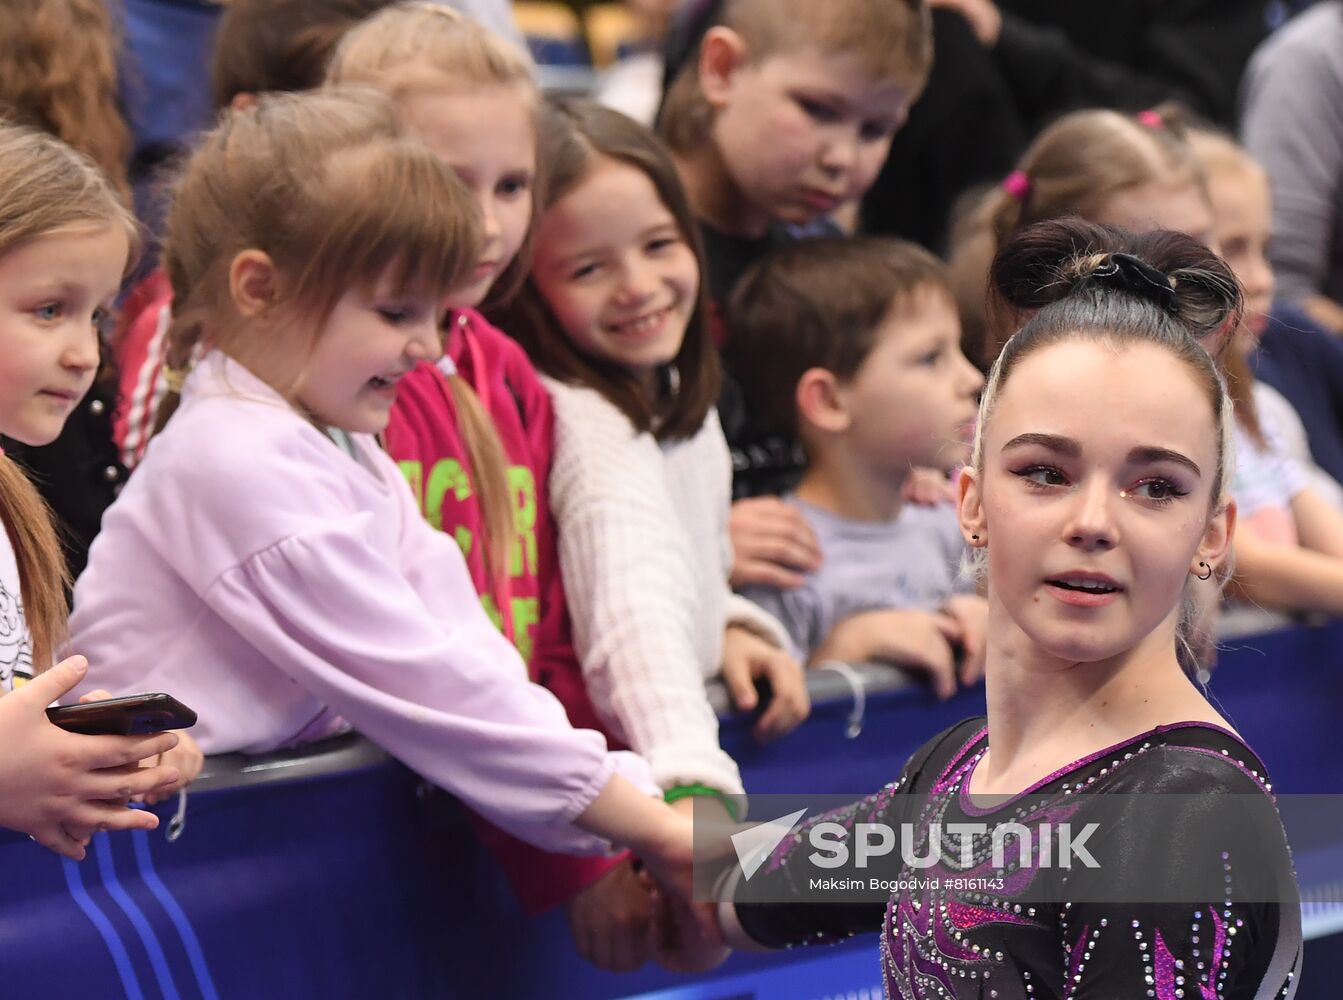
point(45, 187)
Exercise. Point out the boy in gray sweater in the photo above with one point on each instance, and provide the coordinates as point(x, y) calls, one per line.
point(854, 346)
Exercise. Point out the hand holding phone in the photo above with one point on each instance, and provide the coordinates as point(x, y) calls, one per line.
point(134, 715)
point(58, 787)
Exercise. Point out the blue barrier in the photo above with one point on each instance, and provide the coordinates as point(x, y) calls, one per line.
point(335, 874)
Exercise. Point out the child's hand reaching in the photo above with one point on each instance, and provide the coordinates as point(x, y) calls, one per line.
point(186, 757)
point(59, 787)
point(612, 920)
point(687, 935)
point(772, 544)
point(928, 488)
point(915, 639)
point(746, 658)
point(983, 16)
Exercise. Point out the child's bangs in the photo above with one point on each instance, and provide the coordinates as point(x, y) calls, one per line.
point(388, 213)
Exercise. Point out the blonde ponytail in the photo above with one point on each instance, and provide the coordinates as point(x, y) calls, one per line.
point(489, 473)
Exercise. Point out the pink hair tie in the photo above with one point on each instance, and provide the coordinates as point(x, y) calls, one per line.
point(1017, 184)
point(1152, 119)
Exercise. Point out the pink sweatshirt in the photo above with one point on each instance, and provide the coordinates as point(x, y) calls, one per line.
point(283, 589)
point(425, 438)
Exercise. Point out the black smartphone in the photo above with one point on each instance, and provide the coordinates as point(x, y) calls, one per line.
point(134, 715)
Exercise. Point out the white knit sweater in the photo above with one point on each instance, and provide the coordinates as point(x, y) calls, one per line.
point(645, 555)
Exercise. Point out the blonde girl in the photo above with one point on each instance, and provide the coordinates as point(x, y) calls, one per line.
point(1105, 166)
point(66, 238)
point(267, 561)
point(1288, 554)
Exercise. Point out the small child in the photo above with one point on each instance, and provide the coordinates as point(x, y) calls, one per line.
point(781, 112)
point(65, 242)
point(612, 314)
point(1135, 171)
point(854, 346)
point(267, 561)
point(778, 114)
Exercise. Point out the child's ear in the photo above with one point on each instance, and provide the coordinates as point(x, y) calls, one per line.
point(820, 403)
point(721, 54)
point(253, 283)
point(970, 509)
point(1215, 547)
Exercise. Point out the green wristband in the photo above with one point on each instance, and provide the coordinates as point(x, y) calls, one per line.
point(678, 792)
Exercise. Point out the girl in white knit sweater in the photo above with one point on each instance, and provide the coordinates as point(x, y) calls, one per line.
point(612, 315)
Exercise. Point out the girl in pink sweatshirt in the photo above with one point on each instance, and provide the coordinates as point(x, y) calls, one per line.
point(267, 562)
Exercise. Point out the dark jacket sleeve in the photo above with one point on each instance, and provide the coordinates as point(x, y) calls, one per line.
point(1193, 51)
point(962, 132)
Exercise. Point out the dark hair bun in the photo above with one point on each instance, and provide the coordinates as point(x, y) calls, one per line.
point(1052, 261)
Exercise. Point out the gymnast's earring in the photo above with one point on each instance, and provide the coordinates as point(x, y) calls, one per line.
point(1207, 574)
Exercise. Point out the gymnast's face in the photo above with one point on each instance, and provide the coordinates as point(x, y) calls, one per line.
point(1094, 499)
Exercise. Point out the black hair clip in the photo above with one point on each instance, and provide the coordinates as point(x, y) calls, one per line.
point(1127, 272)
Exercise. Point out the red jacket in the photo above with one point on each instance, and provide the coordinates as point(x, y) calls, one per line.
point(138, 349)
point(425, 439)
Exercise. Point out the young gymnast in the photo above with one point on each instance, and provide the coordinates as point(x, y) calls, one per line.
point(854, 347)
point(474, 433)
point(267, 561)
point(65, 242)
point(612, 315)
point(1097, 492)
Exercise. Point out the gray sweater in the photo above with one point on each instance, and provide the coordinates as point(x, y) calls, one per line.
point(1293, 124)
